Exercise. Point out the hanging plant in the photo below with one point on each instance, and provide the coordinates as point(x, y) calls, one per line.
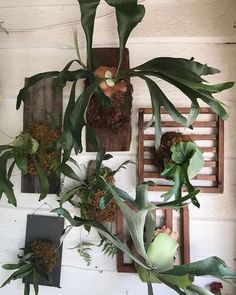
point(37, 262)
point(155, 255)
point(185, 74)
point(90, 194)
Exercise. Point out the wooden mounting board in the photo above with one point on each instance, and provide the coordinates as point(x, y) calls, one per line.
point(43, 98)
point(112, 139)
point(208, 133)
point(47, 228)
point(123, 266)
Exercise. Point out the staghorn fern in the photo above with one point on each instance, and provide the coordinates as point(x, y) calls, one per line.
point(184, 74)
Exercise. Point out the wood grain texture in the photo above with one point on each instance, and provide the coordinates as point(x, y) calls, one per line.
point(42, 99)
point(112, 139)
point(215, 138)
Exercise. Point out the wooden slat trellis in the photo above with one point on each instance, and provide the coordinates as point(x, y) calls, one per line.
point(207, 132)
point(184, 242)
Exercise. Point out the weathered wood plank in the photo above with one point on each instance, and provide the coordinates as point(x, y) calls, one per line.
point(118, 138)
point(42, 99)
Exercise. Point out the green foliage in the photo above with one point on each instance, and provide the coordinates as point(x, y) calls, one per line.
point(186, 162)
point(158, 264)
point(83, 249)
point(27, 269)
point(185, 74)
point(128, 15)
point(88, 13)
point(108, 248)
point(88, 186)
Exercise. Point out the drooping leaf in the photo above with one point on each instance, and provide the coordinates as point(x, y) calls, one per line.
point(21, 162)
point(10, 266)
point(30, 82)
point(43, 180)
point(88, 13)
point(10, 170)
point(91, 137)
point(6, 187)
point(78, 115)
point(99, 158)
point(177, 65)
point(27, 289)
point(159, 99)
point(35, 282)
point(128, 14)
point(24, 269)
point(186, 75)
point(212, 266)
point(150, 227)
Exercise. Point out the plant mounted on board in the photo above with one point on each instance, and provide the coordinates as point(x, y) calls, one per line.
point(34, 152)
point(154, 257)
point(185, 74)
point(90, 194)
point(37, 262)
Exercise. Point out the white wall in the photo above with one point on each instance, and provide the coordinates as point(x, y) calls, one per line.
point(40, 39)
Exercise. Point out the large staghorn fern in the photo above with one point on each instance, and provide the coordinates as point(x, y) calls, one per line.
point(155, 259)
point(184, 74)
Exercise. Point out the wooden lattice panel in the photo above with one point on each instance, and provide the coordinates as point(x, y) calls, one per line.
point(184, 250)
point(208, 134)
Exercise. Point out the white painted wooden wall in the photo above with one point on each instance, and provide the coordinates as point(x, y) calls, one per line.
point(40, 40)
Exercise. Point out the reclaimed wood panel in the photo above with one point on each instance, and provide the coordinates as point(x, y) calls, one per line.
point(43, 98)
point(112, 139)
point(210, 137)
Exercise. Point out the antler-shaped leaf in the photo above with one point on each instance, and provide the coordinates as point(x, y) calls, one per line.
point(186, 75)
point(128, 13)
point(88, 12)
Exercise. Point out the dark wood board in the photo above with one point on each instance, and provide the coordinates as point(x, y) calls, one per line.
point(209, 130)
point(168, 221)
point(112, 139)
point(47, 228)
point(43, 98)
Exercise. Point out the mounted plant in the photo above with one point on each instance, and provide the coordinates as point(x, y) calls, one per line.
point(185, 74)
point(155, 255)
point(91, 194)
point(179, 159)
point(36, 263)
point(34, 153)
